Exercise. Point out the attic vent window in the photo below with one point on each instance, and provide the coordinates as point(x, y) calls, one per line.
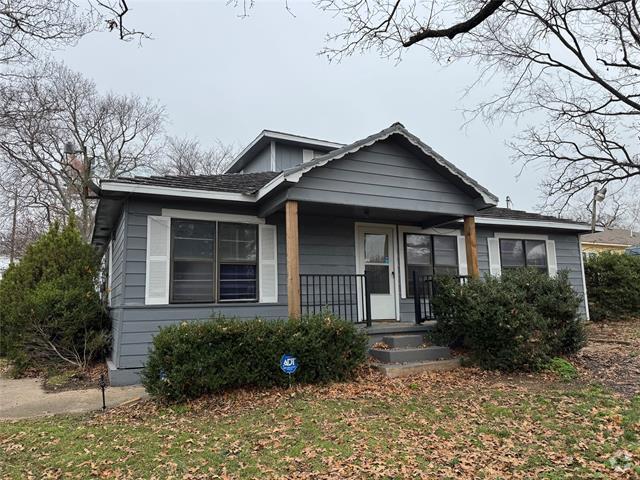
point(307, 155)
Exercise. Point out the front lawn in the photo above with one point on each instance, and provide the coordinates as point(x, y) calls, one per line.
point(461, 424)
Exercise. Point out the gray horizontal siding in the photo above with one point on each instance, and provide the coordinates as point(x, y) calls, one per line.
point(287, 156)
point(382, 176)
point(569, 259)
point(116, 326)
point(261, 162)
point(117, 261)
point(140, 324)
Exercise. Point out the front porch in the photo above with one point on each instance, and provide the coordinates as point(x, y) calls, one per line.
point(373, 269)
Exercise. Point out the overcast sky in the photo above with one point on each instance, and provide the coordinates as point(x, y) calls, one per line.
point(223, 77)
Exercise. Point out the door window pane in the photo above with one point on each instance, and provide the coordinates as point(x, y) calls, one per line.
point(512, 253)
point(536, 251)
point(376, 249)
point(192, 277)
point(377, 278)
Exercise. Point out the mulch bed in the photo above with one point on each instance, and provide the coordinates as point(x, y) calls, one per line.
point(612, 356)
point(78, 379)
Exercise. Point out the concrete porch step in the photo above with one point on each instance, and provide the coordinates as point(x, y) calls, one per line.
point(410, 355)
point(404, 341)
point(396, 370)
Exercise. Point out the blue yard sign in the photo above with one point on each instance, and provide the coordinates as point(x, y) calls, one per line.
point(288, 364)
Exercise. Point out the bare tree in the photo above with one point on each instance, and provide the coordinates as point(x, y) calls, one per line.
point(28, 27)
point(572, 63)
point(57, 133)
point(185, 156)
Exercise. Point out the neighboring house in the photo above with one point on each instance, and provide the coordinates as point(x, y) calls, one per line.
point(611, 240)
point(293, 227)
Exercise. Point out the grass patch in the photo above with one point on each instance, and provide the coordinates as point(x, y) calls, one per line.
point(461, 426)
point(563, 369)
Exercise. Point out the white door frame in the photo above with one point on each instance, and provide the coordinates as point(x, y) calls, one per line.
point(393, 247)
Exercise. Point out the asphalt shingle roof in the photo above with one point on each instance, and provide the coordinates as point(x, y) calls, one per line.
point(613, 236)
point(507, 213)
point(228, 182)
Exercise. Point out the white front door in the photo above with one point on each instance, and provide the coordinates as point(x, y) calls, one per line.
point(376, 258)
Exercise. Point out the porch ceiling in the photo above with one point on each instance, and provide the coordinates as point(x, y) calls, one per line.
point(383, 215)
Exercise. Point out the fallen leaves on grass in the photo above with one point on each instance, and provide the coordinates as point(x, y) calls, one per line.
point(462, 424)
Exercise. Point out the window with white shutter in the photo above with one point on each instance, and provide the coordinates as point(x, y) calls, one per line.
point(463, 269)
point(493, 245)
point(157, 271)
point(268, 259)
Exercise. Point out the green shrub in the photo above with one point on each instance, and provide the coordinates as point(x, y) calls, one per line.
point(50, 309)
point(613, 286)
point(518, 321)
point(196, 358)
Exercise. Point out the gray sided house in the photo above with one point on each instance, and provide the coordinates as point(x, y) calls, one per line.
point(298, 225)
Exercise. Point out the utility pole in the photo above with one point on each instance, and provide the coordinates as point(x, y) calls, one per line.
point(598, 196)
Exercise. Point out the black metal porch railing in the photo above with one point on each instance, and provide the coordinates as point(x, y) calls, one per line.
point(424, 290)
point(346, 295)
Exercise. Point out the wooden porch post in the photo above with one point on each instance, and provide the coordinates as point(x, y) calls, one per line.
point(471, 246)
point(293, 259)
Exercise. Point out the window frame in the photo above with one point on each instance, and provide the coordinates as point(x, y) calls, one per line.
point(255, 262)
point(523, 242)
point(408, 293)
point(216, 300)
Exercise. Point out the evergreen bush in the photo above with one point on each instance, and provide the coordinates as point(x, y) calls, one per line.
point(518, 321)
point(196, 358)
point(50, 308)
point(613, 286)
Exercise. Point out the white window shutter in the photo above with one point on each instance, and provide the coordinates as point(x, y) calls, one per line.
point(268, 258)
point(493, 245)
point(552, 262)
point(109, 272)
point(462, 256)
point(158, 252)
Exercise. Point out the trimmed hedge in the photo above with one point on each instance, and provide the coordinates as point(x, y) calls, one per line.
point(613, 286)
point(197, 358)
point(518, 321)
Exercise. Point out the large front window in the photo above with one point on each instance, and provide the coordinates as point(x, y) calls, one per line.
point(213, 261)
point(429, 255)
point(523, 253)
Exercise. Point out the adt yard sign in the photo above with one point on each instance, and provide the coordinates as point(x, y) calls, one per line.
point(288, 364)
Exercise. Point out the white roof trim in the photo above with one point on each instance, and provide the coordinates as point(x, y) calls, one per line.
point(176, 192)
point(530, 223)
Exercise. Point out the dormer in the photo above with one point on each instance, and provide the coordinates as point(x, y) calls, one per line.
point(277, 151)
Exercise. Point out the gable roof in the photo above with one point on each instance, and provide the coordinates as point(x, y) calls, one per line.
point(397, 128)
point(613, 236)
point(247, 183)
point(267, 136)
